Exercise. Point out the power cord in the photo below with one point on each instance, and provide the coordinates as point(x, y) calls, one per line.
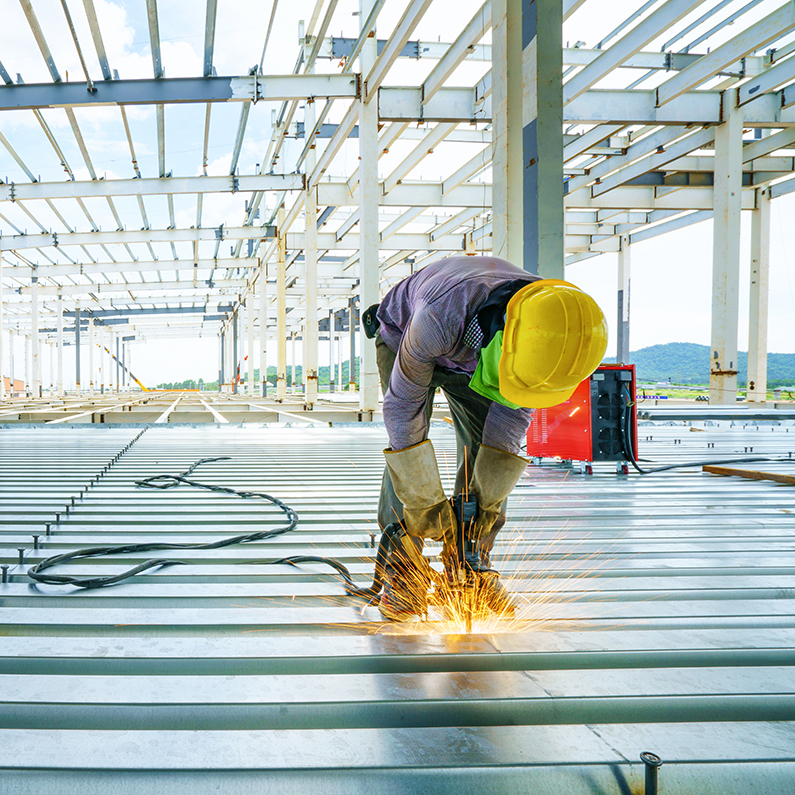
point(629, 448)
point(164, 482)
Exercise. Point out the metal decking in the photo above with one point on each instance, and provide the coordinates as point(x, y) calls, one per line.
point(659, 616)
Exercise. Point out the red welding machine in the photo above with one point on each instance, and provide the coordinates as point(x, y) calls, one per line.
point(595, 424)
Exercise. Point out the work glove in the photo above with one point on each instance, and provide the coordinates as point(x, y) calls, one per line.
point(494, 476)
point(427, 513)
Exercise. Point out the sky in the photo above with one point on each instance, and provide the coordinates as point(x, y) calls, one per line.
point(671, 274)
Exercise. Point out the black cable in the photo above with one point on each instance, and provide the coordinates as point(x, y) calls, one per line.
point(629, 448)
point(170, 481)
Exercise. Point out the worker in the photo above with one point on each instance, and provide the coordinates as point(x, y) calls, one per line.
point(499, 342)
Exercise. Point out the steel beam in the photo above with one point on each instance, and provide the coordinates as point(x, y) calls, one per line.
point(759, 292)
point(149, 187)
point(752, 39)
point(171, 90)
point(644, 32)
point(376, 71)
point(18, 242)
point(726, 257)
point(458, 51)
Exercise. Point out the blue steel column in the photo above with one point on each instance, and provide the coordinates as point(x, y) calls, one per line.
point(542, 137)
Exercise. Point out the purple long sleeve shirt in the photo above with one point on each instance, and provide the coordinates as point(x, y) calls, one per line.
point(424, 319)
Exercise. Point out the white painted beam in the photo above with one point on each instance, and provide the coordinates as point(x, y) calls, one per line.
point(753, 38)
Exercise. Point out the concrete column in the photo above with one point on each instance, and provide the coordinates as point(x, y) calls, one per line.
point(59, 343)
point(235, 352)
point(310, 368)
point(281, 310)
point(368, 220)
point(2, 348)
point(91, 355)
point(527, 118)
point(77, 347)
point(352, 333)
point(726, 254)
point(34, 336)
point(262, 287)
point(622, 321)
point(760, 273)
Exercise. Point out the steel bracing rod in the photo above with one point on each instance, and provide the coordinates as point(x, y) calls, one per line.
point(647, 30)
point(469, 36)
point(753, 38)
point(470, 169)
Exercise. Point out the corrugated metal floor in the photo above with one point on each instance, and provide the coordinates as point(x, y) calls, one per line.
point(659, 615)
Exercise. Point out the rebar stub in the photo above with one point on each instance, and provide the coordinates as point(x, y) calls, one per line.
point(648, 758)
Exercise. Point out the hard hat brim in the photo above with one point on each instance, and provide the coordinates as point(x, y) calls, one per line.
point(536, 399)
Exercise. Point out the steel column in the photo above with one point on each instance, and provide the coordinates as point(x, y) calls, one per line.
point(235, 352)
point(77, 347)
point(281, 310)
point(2, 362)
point(292, 364)
point(262, 286)
point(726, 254)
point(622, 321)
point(250, 343)
point(118, 366)
point(368, 218)
point(59, 382)
point(352, 335)
point(28, 368)
point(542, 143)
point(332, 375)
point(310, 368)
point(91, 355)
point(760, 271)
point(34, 336)
point(221, 341)
point(506, 98)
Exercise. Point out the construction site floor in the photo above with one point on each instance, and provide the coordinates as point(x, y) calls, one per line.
point(657, 614)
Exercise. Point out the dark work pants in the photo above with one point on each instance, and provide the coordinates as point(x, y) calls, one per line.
point(468, 410)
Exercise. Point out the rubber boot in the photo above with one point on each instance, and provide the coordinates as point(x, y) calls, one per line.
point(406, 580)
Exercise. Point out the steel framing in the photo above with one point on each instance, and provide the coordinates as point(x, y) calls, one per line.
point(622, 149)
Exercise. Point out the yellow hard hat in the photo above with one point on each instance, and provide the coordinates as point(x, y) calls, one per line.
point(555, 337)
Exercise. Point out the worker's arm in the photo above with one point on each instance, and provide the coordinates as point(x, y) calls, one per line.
point(424, 340)
point(506, 428)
